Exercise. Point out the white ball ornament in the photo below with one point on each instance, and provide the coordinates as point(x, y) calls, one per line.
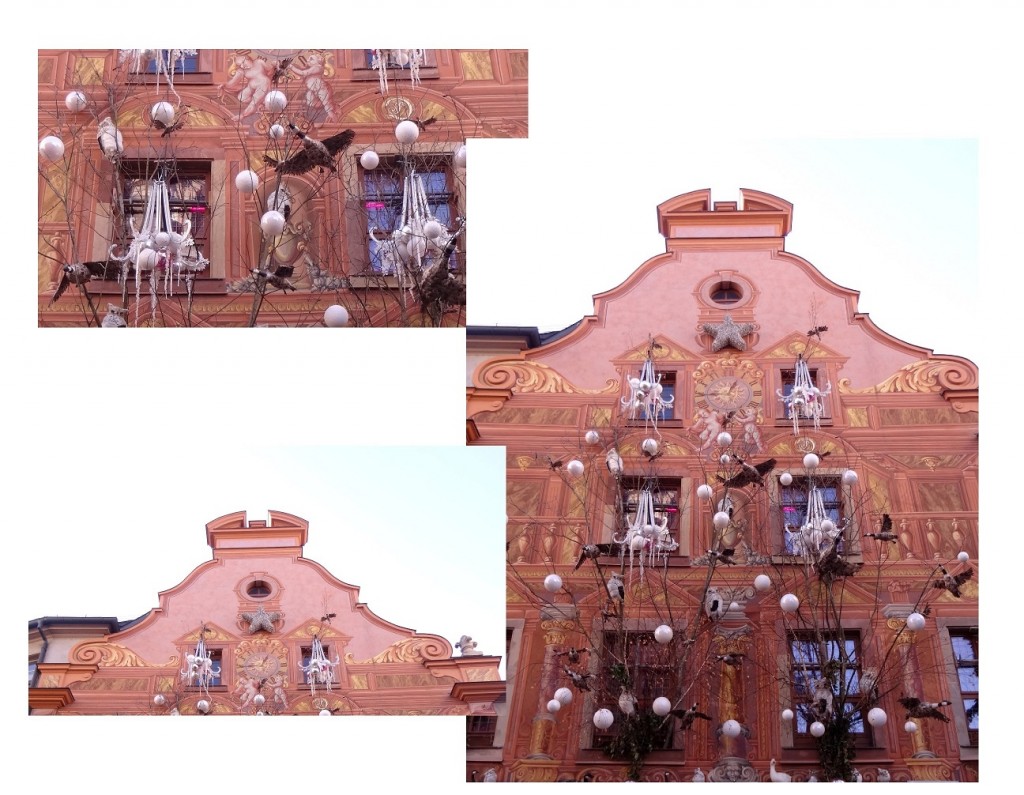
point(850, 477)
point(734, 607)
point(159, 700)
point(369, 160)
point(259, 699)
point(554, 705)
point(603, 718)
point(276, 132)
point(636, 543)
point(827, 526)
point(762, 582)
point(916, 622)
point(247, 181)
point(963, 557)
point(724, 459)
point(564, 695)
point(203, 706)
point(335, 316)
point(789, 603)
point(663, 634)
point(161, 239)
point(407, 132)
point(731, 728)
point(787, 714)
point(720, 520)
point(877, 716)
point(704, 491)
point(162, 112)
point(661, 706)
point(724, 438)
point(553, 583)
point(811, 461)
point(52, 148)
point(275, 101)
point(272, 223)
point(592, 437)
point(786, 479)
point(324, 713)
point(460, 157)
point(75, 101)
point(432, 229)
point(145, 260)
point(575, 467)
point(817, 728)
point(650, 446)
point(910, 727)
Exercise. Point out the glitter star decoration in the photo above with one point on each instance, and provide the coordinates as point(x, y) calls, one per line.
point(261, 620)
point(728, 333)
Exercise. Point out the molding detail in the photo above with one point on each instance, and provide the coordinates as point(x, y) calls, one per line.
point(111, 655)
point(407, 650)
point(927, 375)
point(522, 377)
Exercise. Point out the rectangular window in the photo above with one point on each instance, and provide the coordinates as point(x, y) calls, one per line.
point(186, 64)
point(787, 378)
point(818, 667)
point(393, 194)
point(794, 500)
point(307, 655)
point(965, 652)
point(664, 493)
point(480, 730)
point(646, 667)
point(668, 394)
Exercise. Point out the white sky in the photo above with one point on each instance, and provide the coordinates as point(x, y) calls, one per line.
point(826, 105)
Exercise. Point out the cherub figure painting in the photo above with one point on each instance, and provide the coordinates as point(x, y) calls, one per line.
point(316, 89)
point(252, 80)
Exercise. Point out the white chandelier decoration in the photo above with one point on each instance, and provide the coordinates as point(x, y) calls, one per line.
point(320, 670)
point(647, 538)
point(419, 240)
point(411, 59)
point(199, 670)
point(156, 249)
point(818, 534)
point(805, 401)
point(646, 395)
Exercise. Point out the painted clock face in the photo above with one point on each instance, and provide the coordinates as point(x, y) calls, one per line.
point(728, 393)
point(261, 664)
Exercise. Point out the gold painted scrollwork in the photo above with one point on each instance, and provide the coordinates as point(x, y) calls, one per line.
point(928, 375)
point(408, 650)
point(534, 377)
point(110, 655)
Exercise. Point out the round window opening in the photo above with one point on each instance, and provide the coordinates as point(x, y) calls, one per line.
point(726, 293)
point(258, 590)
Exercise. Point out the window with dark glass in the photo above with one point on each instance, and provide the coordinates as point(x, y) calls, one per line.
point(794, 499)
point(965, 652)
point(187, 64)
point(668, 393)
point(833, 657)
point(307, 655)
point(726, 293)
point(788, 380)
point(385, 191)
point(664, 494)
point(480, 730)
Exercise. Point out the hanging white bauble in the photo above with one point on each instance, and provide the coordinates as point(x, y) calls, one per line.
point(162, 112)
point(75, 101)
point(811, 461)
point(460, 157)
point(203, 705)
point(817, 728)
point(762, 582)
point(324, 713)
point(261, 712)
point(432, 229)
point(418, 247)
point(731, 728)
point(407, 132)
point(734, 607)
point(916, 622)
point(720, 520)
point(724, 459)
point(787, 714)
point(335, 316)
point(877, 716)
point(52, 148)
point(247, 181)
point(158, 699)
point(603, 718)
point(661, 706)
point(963, 557)
point(146, 259)
point(272, 223)
point(650, 446)
point(553, 583)
point(259, 699)
point(724, 439)
point(554, 705)
point(704, 491)
point(592, 437)
point(275, 101)
point(369, 160)
point(850, 477)
point(564, 695)
point(827, 525)
point(276, 132)
point(634, 383)
point(910, 727)
point(636, 543)
point(663, 634)
point(161, 239)
point(789, 603)
point(786, 479)
point(575, 467)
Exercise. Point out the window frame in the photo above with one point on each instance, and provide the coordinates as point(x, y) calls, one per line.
point(967, 738)
point(635, 483)
point(851, 534)
point(785, 376)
